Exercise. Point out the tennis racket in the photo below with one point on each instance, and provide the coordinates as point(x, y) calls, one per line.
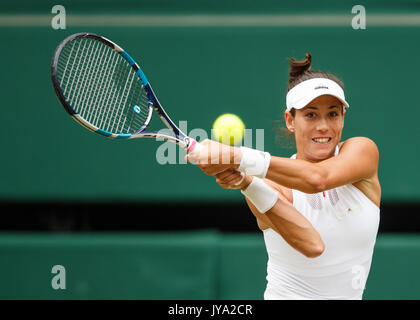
point(104, 89)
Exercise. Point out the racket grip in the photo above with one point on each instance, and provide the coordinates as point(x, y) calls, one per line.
point(194, 146)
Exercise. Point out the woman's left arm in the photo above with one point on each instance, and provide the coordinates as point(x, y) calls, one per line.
point(358, 159)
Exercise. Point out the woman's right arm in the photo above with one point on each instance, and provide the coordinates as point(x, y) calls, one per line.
point(295, 229)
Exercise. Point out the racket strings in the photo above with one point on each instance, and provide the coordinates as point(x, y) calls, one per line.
point(101, 86)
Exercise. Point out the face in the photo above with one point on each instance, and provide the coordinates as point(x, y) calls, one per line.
point(317, 128)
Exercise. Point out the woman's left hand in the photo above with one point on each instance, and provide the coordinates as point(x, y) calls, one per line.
point(214, 157)
point(233, 179)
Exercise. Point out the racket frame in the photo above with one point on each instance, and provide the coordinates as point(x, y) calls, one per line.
point(179, 137)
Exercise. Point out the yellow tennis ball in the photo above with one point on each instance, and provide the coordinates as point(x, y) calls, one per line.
point(228, 129)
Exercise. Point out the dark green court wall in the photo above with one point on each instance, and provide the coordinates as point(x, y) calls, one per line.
point(199, 73)
point(183, 265)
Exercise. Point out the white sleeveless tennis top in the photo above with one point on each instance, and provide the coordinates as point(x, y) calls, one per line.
point(348, 224)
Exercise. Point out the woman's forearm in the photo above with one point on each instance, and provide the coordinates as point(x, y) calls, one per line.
point(296, 174)
point(295, 229)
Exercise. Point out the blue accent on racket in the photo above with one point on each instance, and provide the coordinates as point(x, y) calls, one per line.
point(142, 76)
point(136, 109)
point(124, 136)
point(104, 133)
point(127, 57)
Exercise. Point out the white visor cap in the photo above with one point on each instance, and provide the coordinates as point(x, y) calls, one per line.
point(303, 93)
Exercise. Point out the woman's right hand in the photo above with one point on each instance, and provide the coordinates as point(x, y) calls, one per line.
point(230, 178)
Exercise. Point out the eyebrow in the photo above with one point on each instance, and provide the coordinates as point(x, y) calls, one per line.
point(315, 108)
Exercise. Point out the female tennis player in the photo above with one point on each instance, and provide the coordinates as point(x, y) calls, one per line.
point(319, 209)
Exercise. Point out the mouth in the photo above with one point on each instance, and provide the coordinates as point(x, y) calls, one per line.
point(322, 140)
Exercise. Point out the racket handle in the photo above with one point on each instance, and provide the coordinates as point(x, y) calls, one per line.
point(193, 147)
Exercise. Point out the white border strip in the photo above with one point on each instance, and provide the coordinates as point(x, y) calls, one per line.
point(213, 20)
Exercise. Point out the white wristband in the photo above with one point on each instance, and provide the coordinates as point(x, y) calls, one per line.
point(261, 195)
point(254, 162)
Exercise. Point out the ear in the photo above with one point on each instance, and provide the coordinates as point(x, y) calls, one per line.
point(344, 115)
point(290, 121)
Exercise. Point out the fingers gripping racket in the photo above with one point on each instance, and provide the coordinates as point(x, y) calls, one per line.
point(103, 88)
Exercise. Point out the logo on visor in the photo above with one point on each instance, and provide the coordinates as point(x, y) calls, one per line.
point(321, 86)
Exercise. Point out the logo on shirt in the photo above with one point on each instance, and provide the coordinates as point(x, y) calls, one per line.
point(340, 214)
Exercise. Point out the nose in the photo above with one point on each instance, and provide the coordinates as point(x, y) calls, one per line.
point(322, 125)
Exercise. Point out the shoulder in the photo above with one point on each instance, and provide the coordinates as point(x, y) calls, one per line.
point(367, 154)
point(357, 160)
point(359, 145)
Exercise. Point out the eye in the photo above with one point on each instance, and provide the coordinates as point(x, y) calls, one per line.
point(333, 114)
point(310, 115)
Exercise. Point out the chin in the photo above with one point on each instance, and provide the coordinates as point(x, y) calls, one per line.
point(322, 153)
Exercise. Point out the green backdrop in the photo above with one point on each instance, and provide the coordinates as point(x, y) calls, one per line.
point(200, 72)
point(184, 265)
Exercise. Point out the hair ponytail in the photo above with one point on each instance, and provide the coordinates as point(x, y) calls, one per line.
point(298, 68)
point(301, 71)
